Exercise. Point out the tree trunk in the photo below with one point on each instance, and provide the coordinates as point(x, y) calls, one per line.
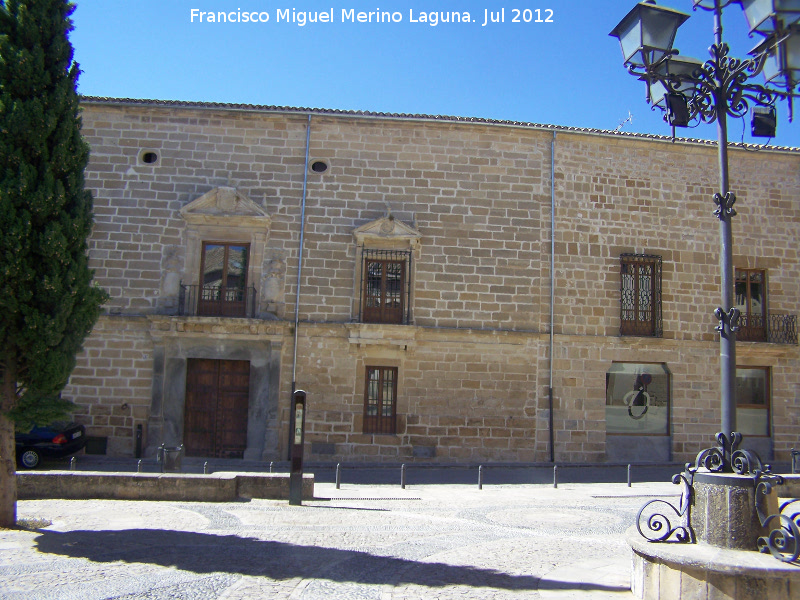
point(8, 450)
point(8, 475)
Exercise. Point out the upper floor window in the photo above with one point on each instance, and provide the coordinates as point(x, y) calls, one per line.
point(640, 295)
point(751, 300)
point(223, 279)
point(380, 400)
point(385, 286)
point(226, 257)
point(757, 323)
point(383, 272)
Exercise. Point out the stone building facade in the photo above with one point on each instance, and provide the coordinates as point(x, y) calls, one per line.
point(453, 279)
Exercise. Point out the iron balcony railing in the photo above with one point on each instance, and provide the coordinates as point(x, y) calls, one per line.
point(775, 329)
point(213, 301)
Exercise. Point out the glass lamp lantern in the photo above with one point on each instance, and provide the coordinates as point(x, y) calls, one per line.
point(685, 69)
point(647, 33)
point(782, 58)
point(769, 16)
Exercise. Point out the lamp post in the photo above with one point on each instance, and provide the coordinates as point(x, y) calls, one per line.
point(687, 91)
point(726, 500)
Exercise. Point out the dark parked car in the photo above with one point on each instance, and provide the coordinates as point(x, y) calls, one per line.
point(54, 441)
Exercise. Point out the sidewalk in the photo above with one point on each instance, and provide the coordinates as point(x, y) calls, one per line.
point(362, 541)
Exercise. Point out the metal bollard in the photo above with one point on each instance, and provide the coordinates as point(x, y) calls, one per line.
point(205, 468)
point(403, 476)
point(139, 466)
point(480, 477)
point(72, 464)
point(795, 453)
point(555, 476)
point(338, 476)
point(270, 466)
point(629, 476)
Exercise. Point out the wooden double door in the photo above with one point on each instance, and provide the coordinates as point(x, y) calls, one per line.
point(215, 414)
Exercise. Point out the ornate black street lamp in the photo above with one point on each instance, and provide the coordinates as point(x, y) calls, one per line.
point(688, 91)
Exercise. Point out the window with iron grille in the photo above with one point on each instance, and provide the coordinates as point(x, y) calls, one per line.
point(385, 286)
point(640, 295)
point(380, 400)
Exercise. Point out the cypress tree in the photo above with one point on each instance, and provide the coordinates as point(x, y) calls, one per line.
point(48, 303)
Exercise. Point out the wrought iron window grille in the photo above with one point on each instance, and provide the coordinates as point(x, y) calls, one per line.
point(385, 287)
point(380, 400)
point(640, 295)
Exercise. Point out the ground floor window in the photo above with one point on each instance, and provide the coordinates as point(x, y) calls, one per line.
point(752, 401)
point(637, 398)
point(380, 400)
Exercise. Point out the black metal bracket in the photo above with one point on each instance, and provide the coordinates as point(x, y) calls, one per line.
point(731, 318)
point(725, 204)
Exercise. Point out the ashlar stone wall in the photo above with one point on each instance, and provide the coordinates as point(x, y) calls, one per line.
point(473, 202)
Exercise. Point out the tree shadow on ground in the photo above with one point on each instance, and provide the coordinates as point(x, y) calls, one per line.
point(210, 553)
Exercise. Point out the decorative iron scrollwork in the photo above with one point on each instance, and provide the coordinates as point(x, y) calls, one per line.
point(727, 76)
point(659, 526)
point(712, 459)
point(746, 462)
point(727, 457)
point(783, 542)
point(720, 85)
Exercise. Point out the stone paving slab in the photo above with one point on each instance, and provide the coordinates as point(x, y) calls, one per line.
point(358, 542)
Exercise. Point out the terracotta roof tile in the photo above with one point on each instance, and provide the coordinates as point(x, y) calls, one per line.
point(408, 116)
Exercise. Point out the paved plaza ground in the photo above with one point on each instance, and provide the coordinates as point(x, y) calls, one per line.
point(363, 541)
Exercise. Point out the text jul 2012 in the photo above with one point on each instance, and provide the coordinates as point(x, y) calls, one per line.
point(350, 15)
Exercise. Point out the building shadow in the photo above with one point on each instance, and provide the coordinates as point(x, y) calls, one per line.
point(205, 553)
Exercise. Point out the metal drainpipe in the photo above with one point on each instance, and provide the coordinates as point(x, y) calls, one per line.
point(552, 286)
point(299, 271)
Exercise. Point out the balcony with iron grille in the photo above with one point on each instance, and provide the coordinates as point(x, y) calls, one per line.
point(215, 301)
point(774, 329)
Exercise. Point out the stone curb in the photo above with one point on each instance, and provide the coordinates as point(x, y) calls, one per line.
point(215, 487)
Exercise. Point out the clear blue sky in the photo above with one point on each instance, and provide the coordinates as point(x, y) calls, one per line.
point(566, 72)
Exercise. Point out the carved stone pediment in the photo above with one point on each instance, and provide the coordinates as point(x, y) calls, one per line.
point(387, 231)
point(225, 206)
